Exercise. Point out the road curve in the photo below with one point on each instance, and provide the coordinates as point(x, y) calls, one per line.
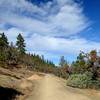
point(54, 88)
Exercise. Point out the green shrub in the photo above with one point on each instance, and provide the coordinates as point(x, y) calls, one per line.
point(80, 80)
point(95, 84)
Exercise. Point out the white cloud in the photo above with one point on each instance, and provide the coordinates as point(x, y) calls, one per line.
point(53, 47)
point(64, 18)
point(40, 25)
point(12, 33)
point(19, 6)
point(61, 46)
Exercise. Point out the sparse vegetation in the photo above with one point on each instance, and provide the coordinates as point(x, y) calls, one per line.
point(85, 71)
point(78, 74)
point(80, 80)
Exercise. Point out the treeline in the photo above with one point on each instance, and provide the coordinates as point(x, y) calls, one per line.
point(14, 55)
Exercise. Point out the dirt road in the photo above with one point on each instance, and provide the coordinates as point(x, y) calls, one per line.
point(53, 88)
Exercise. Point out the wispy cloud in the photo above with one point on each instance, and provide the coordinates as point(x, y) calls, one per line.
point(41, 25)
point(61, 19)
point(53, 47)
point(60, 45)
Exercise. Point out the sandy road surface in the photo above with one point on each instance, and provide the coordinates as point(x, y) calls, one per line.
point(52, 88)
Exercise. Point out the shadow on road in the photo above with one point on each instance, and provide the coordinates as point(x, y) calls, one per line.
point(8, 93)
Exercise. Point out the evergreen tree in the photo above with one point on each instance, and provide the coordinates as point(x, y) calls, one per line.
point(62, 61)
point(3, 47)
point(3, 41)
point(20, 44)
point(12, 54)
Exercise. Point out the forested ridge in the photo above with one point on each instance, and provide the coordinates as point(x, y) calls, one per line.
point(13, 55)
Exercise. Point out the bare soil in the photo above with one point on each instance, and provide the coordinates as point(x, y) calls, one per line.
point(28, 85)
point(50, 87)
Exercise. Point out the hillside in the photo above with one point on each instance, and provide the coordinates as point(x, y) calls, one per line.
point(22, 73)
point(50, 87)
point(27, 85)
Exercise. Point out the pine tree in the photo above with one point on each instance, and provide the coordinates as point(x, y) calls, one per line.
point(12, 54)
point(3, 41)
point(20, 44)
point(3, 47)
point(62, 61)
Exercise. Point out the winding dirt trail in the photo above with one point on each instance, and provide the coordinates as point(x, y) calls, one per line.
point(53, 88)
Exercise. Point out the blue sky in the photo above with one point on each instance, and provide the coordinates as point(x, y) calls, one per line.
point(53, 27)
